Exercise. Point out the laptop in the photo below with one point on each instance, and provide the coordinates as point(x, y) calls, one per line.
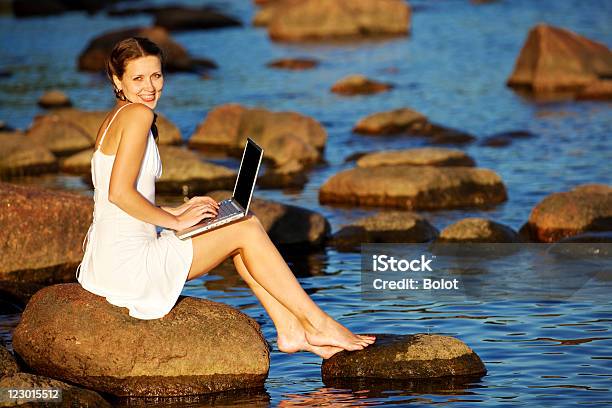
point(237, 206)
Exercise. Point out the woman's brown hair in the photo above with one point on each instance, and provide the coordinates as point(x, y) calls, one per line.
point(125, 51)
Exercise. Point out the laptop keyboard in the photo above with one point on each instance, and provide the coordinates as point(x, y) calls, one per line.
point(226, 208)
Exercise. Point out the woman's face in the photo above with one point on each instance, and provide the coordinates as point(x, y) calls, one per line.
point(142, 80)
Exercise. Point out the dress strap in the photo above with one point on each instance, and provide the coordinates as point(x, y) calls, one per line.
point(111, 121)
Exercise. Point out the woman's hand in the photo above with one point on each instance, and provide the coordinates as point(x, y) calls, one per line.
point(194, 210)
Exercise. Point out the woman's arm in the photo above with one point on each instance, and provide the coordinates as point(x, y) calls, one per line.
point(130, 153)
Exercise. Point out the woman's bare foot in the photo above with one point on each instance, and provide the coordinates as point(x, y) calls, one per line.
point(328, 332)
point(295, 341)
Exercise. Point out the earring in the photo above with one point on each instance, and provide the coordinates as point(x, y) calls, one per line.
point(119, 94)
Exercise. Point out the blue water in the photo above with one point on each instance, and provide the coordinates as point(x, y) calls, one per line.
point(453, 68)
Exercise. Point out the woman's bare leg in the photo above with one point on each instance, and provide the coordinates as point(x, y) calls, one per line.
point(290, 333)
point(268, 269)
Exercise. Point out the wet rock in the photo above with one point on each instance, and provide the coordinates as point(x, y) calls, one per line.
point(359, 85)
point(289, 175)
point(293, 63)
point(78, 163)
point(505, 138)
point(601, 90)
point(425, 156)
point(329, 19)
point(286, 224)
point(54, 99)
point(385, 227)
point(8, 365)
point(19, 157)
point(414, 187)
point(476, 229)
point(184, 172)
point(586, 208)
point(190, 18)
point(177, 59)
point(61, 137)
point(90, 122)
point(410, 122)
point(404, 357)
point(72, 396)
point(556, 59)
point(589, 237)
point(41, 233)
point(227, 127)
point(199, 347)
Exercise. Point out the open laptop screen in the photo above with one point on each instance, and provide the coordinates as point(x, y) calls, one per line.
point(247, 173)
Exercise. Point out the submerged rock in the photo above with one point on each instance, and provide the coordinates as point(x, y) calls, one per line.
point(556, 59)
point(359, 85)
point(41, 233)
point(586, 208)
point(423, 156)
point(405, 357)
point(286, 224)
point(409, 122)
point(177, 59)
point(414, 187)
point(199, 347)
point(385, 227)
point(475, 229)
point(330, 19)
point(54, 99)
point(293, 63)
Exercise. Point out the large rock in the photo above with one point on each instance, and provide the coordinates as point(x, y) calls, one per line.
point(72, 396)
point(199, 347)
point(90, 122)
point(177, 59)
point(359, 85)
point(41, 233)
point(78, 163)
point(61, 137)
point(410, 122)
point(189, 18)
point(423, 156)
point(405, 357)
point(227, 127)
point(329, 19)
point(183, 172)
point(286, 224)
point(475, 229)
point(385, 227)
point(555, 59)
point(19, 156)
point(586, 208)
point(414, 187)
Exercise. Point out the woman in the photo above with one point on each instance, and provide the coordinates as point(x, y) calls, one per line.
point(126, 262)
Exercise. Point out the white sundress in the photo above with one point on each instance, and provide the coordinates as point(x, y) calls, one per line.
point(125, 260)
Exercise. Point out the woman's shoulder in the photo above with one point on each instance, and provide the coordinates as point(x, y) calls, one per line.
point(136, 110)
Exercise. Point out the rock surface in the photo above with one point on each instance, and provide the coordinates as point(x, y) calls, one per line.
point(586, 208)
point(60, 136)
point(330, 19)
point(410, 122)
point(8, 365)
point(199, 347)
point(359, 85)
point(94, 55)
point(41, 233)
point(556, 59)
point(183, 172)
point(385, 227)
point(19, 156)
point(72, 396)
point(286, 224)
point(404, 357)
point(475, 229)
point(54, 99)
point(424, 156)
point(414, 187)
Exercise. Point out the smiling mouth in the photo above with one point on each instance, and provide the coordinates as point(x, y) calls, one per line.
point(148, 98)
